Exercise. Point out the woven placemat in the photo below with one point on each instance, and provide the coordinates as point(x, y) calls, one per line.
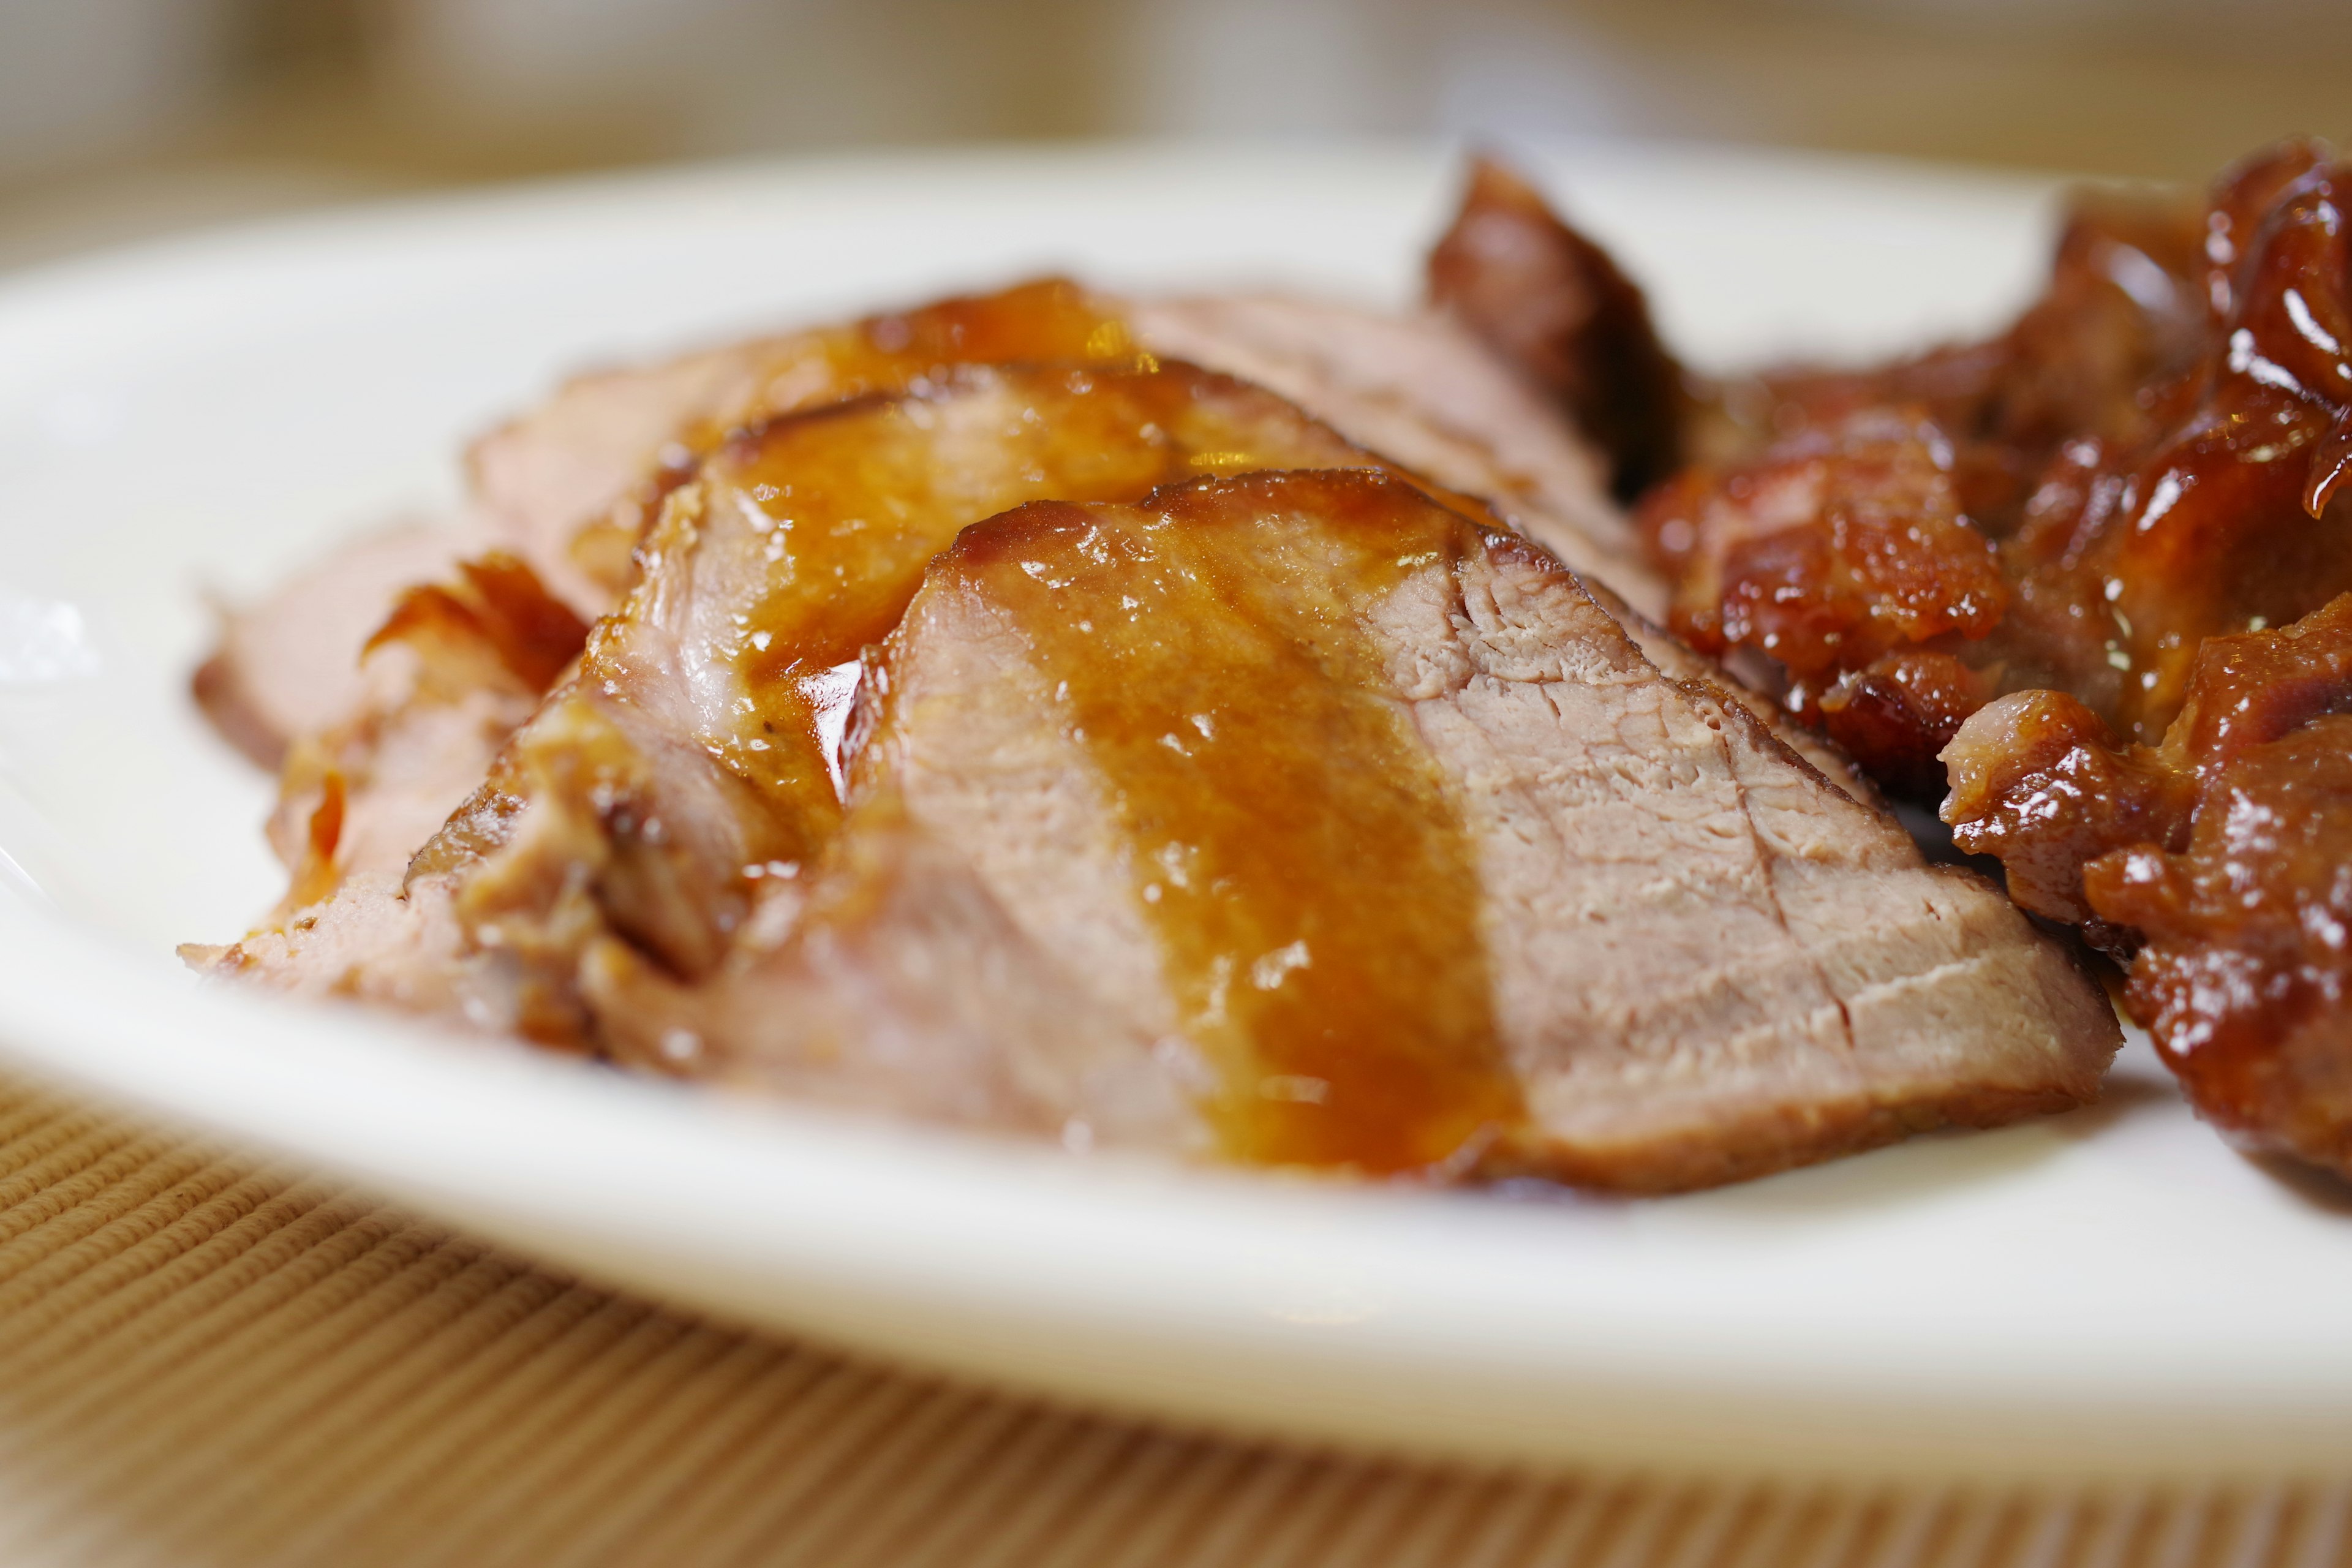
point(204, 1359)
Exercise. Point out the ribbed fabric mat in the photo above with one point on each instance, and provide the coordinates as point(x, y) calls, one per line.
point(204, 1360)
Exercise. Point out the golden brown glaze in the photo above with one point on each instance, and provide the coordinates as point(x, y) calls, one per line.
point(852, 505)
point(498, 603)
point(1314, 893)
point(1046, 321)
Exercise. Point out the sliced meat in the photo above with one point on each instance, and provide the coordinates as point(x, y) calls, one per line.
point(694, 754)
point(447, 679)
point(907, 990)
point(570, 485)
point(289, 664)
point(1385, 847)
point(376, 942)
point(1423, 391)
point(569, 488)
point(1553, 303)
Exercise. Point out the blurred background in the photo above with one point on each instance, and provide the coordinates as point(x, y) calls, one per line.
point(124, 117)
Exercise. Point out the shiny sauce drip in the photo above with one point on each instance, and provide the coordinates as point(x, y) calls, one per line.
point(1312, 888)
point(848, 506)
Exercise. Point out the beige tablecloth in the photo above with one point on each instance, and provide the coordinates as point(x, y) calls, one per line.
point(204, 1360)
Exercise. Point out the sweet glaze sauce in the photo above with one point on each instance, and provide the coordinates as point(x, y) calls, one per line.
point(1047, 321)
point(2145, 461)
point(1313, 891)
point(848, 506)
point(2217, 859)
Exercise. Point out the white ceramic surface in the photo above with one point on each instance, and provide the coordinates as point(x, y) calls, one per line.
point(2109, 1293)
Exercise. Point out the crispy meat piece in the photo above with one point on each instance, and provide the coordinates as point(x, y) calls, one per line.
point(1555, 306)
point(2041, 782)
point(2223, 855)
point(2146, 459)
point(1848, 560)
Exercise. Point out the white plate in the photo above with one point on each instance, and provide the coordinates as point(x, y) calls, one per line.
point(2110, 1292)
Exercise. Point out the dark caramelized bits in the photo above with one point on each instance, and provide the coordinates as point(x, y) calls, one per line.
point(2223, 855)
point(2039, 782)
point(2243, 975)
point(1314, 893)
point(2151, 451)
point(2229, 525)
point(1847, 557)
point(2154, 461)
point(1553, 303)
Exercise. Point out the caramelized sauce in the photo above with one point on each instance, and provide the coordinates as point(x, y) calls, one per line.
point(1046, 321)
point(2217, 858)
point(495, 602)
point(1313, 891)
point(800, 544)
point(843, 508)
point(2146, 459)
point(1050, 320)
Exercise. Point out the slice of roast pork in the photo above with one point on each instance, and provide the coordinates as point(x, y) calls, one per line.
point(688, 766)
point(1299, 817)
point(567, 490)
point(692, 757)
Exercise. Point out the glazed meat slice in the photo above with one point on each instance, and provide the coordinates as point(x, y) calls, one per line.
point(2220, 857)
point(690, 763)
point(1363, 837)
point(571, 484)
point(446, 677)
point(567, 490)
